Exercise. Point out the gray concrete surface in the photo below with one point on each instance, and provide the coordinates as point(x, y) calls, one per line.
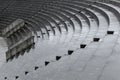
point(55, 35)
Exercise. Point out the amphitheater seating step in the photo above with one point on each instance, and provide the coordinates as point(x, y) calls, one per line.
point(59, 39)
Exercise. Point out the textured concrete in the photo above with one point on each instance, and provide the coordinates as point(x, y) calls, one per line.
point(74, 40)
